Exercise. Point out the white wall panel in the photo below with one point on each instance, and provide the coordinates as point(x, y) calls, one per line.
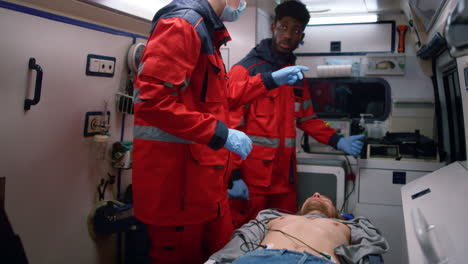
point(353, 37)
point(49, 166)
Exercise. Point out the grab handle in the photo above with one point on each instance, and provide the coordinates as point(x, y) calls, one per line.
point(37, 91)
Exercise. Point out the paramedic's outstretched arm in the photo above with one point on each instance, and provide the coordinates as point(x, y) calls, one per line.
point(244, 88)
point(163, 75)
point(289, 75)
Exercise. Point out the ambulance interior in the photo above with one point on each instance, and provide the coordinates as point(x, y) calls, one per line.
point(396, 71)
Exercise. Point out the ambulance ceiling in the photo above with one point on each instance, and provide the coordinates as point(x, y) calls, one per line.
point(351, 6)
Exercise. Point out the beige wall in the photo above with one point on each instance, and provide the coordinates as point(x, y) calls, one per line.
point(89, 13)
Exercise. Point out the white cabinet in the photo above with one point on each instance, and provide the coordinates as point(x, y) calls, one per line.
point(383, 186)
point(379, 199)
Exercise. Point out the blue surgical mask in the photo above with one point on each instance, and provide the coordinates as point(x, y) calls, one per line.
point(230, 14)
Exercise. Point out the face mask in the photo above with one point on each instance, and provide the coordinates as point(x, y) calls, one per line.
point(230, 14)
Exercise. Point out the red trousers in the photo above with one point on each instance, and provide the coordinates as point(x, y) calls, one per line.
point(189, 244)
point(245, 210)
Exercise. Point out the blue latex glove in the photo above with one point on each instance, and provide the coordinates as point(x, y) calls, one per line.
point(289, 75)
point(351, 145)
point(239, 190)
point(238, 142)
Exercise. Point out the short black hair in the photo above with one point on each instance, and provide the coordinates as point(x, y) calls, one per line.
point(294, 9)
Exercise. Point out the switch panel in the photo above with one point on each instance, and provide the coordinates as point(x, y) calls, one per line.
point(98, 65)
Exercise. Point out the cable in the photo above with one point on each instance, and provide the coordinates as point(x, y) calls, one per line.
point(325, 255)
point(347, 196)
point(348, 163)
point(244, 247)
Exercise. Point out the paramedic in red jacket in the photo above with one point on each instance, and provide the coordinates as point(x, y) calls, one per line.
point(182, 144)
point(270, 169)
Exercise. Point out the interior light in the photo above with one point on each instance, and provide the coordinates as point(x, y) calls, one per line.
point(342, 19)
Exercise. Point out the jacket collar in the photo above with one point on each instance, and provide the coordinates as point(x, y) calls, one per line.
point(203, 8)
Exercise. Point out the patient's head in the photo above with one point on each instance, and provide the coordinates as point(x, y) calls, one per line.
point(318, 203)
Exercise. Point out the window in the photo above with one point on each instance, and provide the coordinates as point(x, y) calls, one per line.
point(350, 97)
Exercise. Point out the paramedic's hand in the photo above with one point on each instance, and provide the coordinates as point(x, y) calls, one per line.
point(289, 75)
point(238, 142)
point(351, 145)
point(239, 190)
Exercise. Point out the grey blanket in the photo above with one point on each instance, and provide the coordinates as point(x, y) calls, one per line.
point(366, 240)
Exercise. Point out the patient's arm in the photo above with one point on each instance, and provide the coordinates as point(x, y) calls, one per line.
point(244, 239)
point(366, 240)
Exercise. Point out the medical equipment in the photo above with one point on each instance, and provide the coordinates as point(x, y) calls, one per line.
point(310, 145)
point(402, 146)
point(124, 98)
point(134, 55)
point(102, 138)
point(111, 216)
point(121, 154)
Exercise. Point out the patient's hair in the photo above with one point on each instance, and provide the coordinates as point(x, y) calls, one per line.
point(294, 9)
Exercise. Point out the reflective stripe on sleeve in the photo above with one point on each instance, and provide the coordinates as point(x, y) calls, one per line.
point(140, 68)
point(136, 96)
point(156, 134)
point(290, 142)
point(300, 120)
point(297, 107)
point(263, 141)
point(306, 104)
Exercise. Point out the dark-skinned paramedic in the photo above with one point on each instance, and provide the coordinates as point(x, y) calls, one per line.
point(182, 144)
point(267, 178)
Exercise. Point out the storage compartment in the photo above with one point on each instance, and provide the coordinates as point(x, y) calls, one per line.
point(378, 186)
point(411, 114)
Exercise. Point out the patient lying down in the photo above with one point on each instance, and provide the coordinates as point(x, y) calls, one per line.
point(315, 235)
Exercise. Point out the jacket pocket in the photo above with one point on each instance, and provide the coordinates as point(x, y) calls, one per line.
point(205, 155)
point(205, 182)
point(258, 167)
point(265, 106)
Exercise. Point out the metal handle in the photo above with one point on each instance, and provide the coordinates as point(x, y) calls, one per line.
point(37, 91)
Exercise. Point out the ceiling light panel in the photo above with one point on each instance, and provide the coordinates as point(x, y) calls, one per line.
point(336, 6)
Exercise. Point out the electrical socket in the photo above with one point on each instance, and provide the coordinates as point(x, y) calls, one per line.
point(98, 65)
point(106, 66)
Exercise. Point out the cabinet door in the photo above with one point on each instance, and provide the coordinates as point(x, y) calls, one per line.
point(389, 220)
point(377, 186)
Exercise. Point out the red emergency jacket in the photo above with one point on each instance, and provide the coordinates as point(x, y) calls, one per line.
point(181, 102)
point(271, 124)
